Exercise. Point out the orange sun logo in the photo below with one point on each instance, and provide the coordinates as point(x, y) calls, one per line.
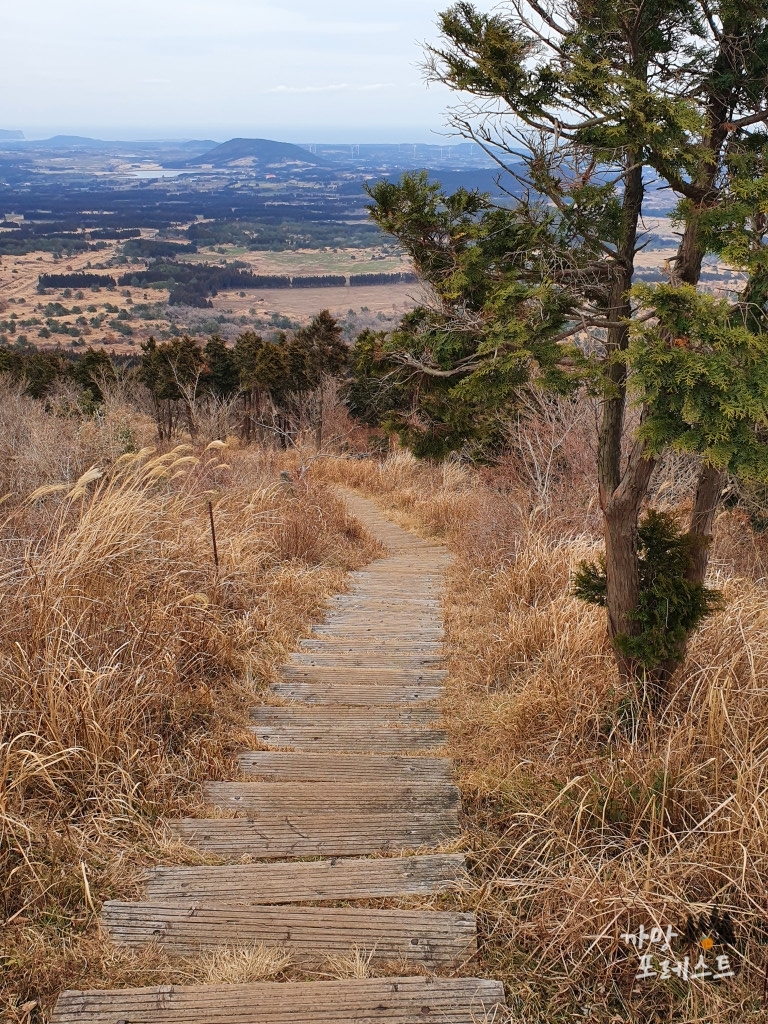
point(707, 943)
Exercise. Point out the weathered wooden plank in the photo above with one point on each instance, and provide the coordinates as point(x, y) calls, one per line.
point(430, 938)
point(358, 1001)
point(320, 835)
point(374, 636)
point(371, 674)
point(302, 881)
point(285, 766)
point(358, 648)
point(325, 797)
point(357, 601)
point(364, 659)
point(357, 695)
point(346, 716)
point(348, 739)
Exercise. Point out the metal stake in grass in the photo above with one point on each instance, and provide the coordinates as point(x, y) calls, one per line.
point(213, 536)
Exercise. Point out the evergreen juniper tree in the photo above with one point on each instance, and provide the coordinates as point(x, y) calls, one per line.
point(580, 102)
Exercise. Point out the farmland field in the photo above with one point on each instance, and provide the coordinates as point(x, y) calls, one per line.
point(122, 318)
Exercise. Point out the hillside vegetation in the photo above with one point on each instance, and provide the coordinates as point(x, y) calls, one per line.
point(128, 662)
point(581, 830)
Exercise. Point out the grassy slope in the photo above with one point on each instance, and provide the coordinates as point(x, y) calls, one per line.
point(127, 666)
point(579, 833)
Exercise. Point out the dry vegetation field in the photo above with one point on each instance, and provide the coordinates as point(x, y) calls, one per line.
point(581, 832)
point(146, 311)
point(127, 663)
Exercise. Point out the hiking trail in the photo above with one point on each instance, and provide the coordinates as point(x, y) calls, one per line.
point(349, 805)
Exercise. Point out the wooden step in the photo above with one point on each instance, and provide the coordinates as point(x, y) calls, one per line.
point(284, 766)
point(270, 798)
point(346, 716)
point(319, 835)
point(303, 881)
point(357, 695)
point(368, 739)
point(375, 675)
point(312, 934)
point(405, 621)
point(403, 638)
point(363, 660)
point(401, 647)
point(358, 1001)
point(356, 600)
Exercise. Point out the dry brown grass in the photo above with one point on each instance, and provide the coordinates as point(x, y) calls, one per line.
point(128, 664)
point(579, 831)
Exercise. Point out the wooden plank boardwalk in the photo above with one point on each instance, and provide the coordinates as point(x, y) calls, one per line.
point(353, 775)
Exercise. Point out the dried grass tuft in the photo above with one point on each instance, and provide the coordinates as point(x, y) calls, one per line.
point(579, 829)
point(355, 964)
point(128, 661)
point(249, 964)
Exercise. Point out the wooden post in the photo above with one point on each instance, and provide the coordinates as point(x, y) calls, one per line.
point(213, 536)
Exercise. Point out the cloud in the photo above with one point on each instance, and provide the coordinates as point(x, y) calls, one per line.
point(308, 88)
point(330, 88)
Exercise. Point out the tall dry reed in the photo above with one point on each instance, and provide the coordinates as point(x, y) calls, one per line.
point(128, 663)
point(582, 827)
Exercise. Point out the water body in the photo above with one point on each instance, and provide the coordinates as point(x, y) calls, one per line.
point(158, 173)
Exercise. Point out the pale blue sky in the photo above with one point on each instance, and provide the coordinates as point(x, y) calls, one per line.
point(298, 70)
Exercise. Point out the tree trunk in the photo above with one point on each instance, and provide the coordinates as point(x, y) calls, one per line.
point(621, 495)
point(708, 492)
point(621, 554)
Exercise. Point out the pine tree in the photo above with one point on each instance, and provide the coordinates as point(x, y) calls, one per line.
point(578, 102)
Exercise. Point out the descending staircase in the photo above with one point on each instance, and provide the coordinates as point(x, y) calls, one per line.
point(353, 771)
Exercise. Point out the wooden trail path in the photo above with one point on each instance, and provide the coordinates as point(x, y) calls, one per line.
point(353, 778)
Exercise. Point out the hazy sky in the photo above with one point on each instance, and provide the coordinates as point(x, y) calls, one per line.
point(299, 70)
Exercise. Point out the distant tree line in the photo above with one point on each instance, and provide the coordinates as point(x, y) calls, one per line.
point(323, 281)
point(22, 242)
point(273, 388)
point(115, 234)
point(76, 280)
point(38, 372)
point(363, 279)
point(157, 249)
point(194, 284)
point(267, 389)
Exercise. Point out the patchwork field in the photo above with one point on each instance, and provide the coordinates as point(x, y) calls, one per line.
point(122, 318)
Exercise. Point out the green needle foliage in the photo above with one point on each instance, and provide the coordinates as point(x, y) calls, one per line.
point(581, 103)
point(702, 371)
point(451, 371)
point(671, 606)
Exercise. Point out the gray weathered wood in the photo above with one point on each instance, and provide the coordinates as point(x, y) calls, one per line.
point(372, 674)
point(321, 835)
point(287, 766)
point(301, 881)
point(363, 659)
point(357, 695)
point(347, 738)
point(357, 1001)
point(311, 798)
point(349, 716)
point(430, 938)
